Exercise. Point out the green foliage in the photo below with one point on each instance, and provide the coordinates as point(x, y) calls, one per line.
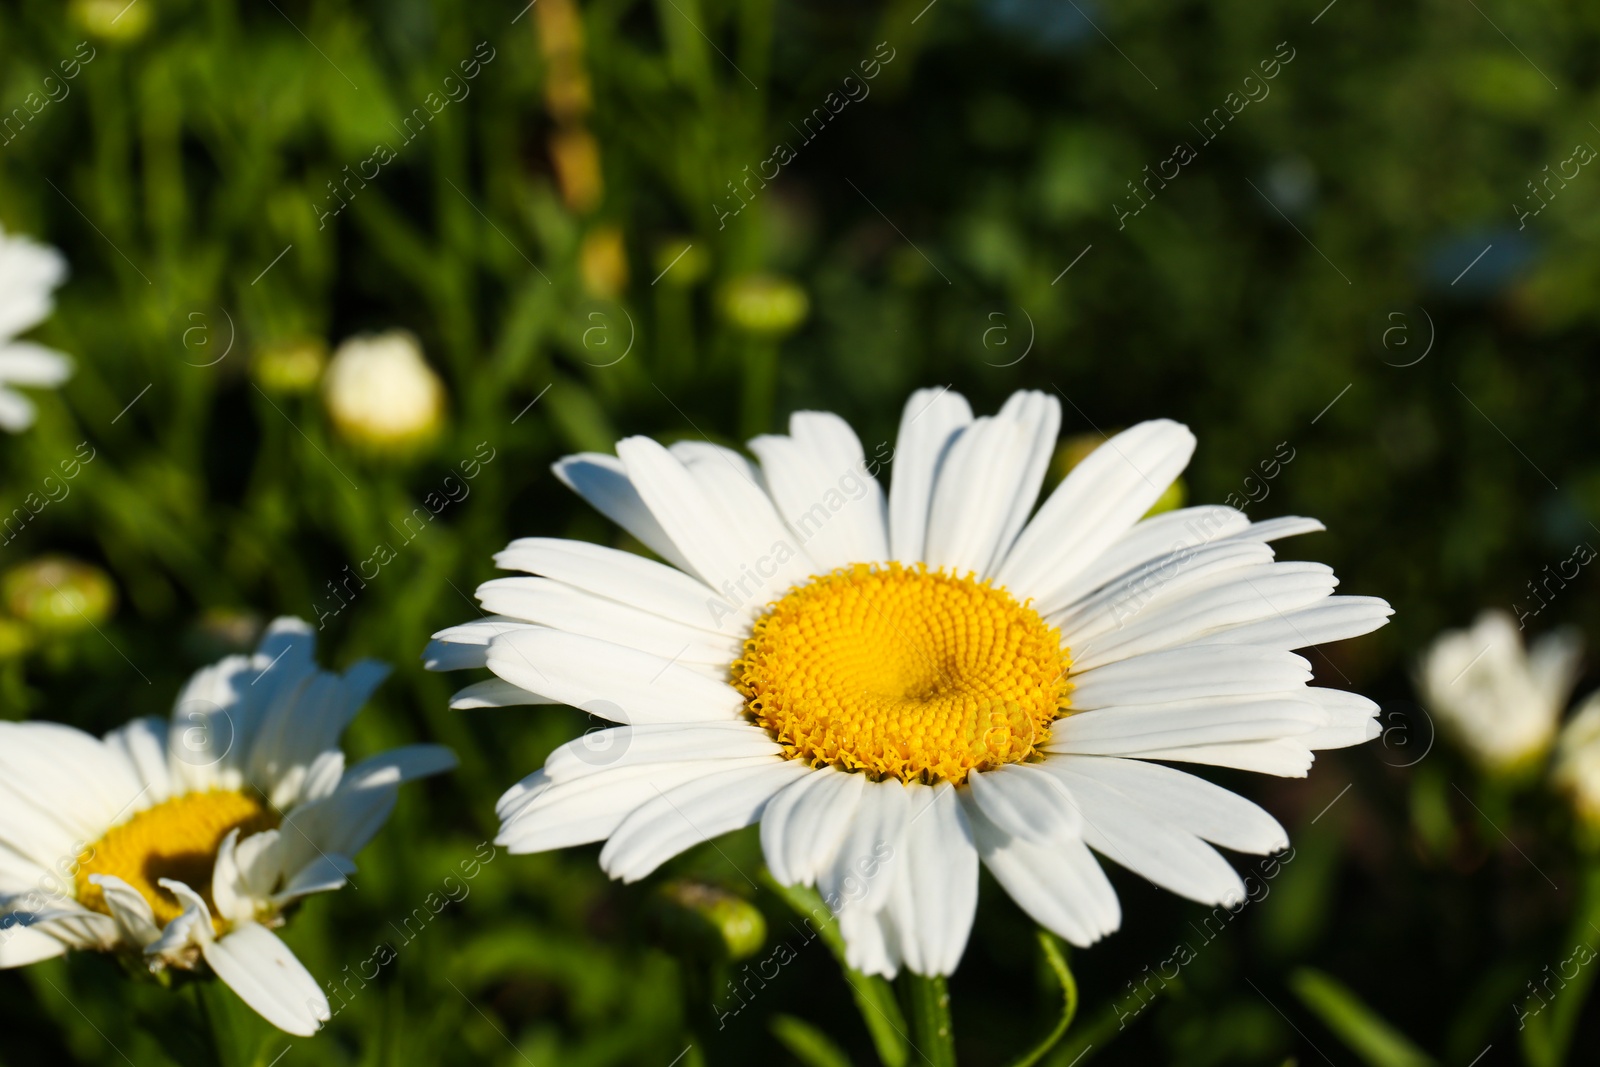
point(214, 177)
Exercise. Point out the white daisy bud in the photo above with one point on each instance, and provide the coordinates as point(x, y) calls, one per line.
point(1501, 702)
point(381, 393)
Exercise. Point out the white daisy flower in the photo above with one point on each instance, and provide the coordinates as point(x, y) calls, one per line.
point(29, 275)
point(187, 841)
point(1501, 702)
point(900, 686)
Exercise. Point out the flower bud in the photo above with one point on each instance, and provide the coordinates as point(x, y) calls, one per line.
point(705, 920)
point(768, 305)
point(603, 262)
point(680, 263)
point(55, 594)
point(287, 368)
point(381, 394)
point(112, 20)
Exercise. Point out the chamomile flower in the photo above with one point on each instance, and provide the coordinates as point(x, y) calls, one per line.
point(184, 843)
point(29, 275)
point(900, 686)
point(1501, 701)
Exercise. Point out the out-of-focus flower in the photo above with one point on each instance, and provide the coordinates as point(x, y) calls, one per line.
point(29, 275)
point(381, 393)
point(1577, 769)
point(1500, 701)
point(286, 368)
point(768, 305)
point(112, 20)
point(576, 155)
point(55, 594)
point(603, 262)
point(826, 667)
point(681, 263)
point(205, 828)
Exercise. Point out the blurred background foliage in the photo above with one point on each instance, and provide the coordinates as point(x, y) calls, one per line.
point(562, 239)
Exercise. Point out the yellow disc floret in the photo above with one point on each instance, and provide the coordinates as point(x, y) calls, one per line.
point(904, 672)
point(176, 839)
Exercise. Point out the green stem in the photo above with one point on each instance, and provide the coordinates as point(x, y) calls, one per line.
point(929, 1001)
point(208, 1023)
point(1069, 992)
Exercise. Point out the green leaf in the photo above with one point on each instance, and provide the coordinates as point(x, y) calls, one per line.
point(809, 1045)
point(1369, 1035)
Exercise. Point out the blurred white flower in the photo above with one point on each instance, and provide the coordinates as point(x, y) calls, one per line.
point(1501, 702)
point(1577, 770)
point(29, 274)
point(381, 393)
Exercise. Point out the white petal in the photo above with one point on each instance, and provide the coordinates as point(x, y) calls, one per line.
point(27, 363)
point(603, 482)
point(403, 764)
point(691, 813)
point(989, 482)
point(550, 603)
point(862, 873)
point(1285, 757)
point(1210, 608)
point(1193, 804)
point(936, 890)
point(1336, 619)
point(1351, 720)
point(592, 807)
point(1161, 851)
point(1026, 802)
point(803, 826)
point(322, 875)
point(616, 575)
point(1059, 884)
point(928, 425)
point(627, 746)
point(1189, 672)
point(467, 645)
point(1099, 500)
point(621, 684)
point(770, 559)
point(17, 412)
point(495, 693)
point(143, 742)
point(22, 945)
point(683, 509)
point(833, 507)
point(1159, 535)
point(1209, 720)
point(1145, 590)
point(255, 964)
point(135, 920)
point(1276, 529)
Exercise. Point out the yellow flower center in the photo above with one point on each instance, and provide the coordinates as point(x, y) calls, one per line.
point(902, 672)
point(176, 839)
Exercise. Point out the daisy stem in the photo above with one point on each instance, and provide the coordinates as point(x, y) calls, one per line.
point(929, 1001)
point(1069, 993)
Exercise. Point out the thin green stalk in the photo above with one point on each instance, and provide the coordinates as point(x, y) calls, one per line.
point(1069, 992)
point(929, 1001)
